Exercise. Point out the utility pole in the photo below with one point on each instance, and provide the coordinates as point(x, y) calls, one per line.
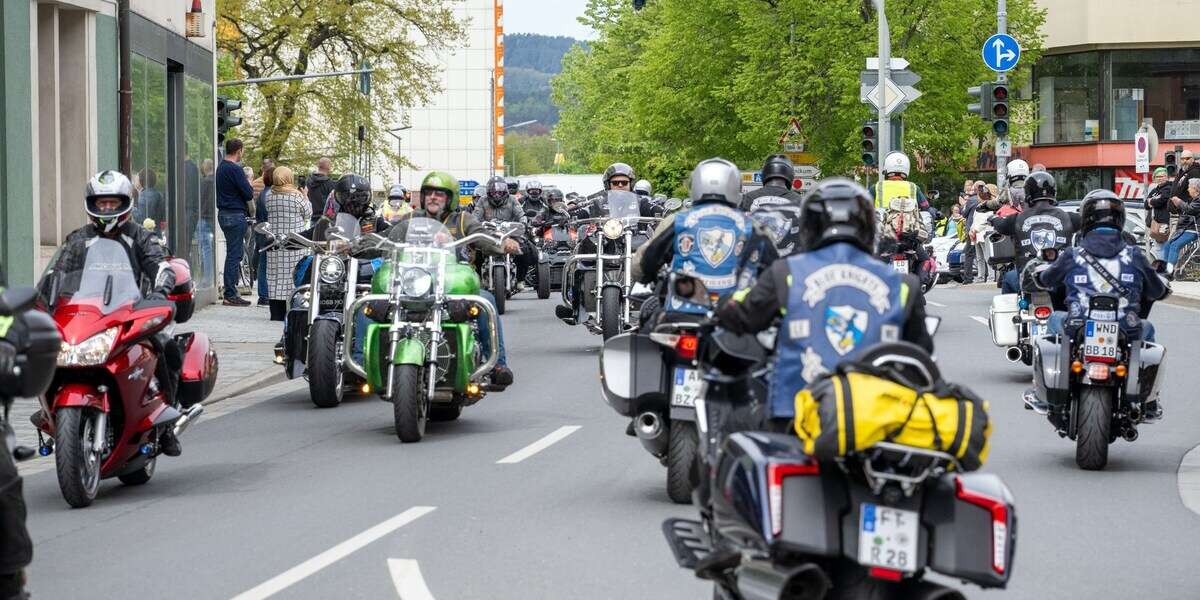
point(885, 60)
point(1002, 27)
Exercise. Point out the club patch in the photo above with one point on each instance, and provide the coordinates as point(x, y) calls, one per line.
point(716, 245)
point(845, 327)
point(798, 329)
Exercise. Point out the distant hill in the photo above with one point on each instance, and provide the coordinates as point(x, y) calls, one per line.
point(530, 60)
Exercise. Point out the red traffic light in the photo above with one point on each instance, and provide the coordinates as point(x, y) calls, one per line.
point(868, 131)
point(1000, 93)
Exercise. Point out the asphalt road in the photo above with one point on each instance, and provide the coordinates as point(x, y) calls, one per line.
point(537, 493)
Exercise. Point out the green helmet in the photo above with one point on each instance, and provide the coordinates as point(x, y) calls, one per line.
point(439, 180)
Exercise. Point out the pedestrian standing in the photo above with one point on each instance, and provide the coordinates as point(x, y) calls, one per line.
point(968, 213)
point(1188, 170)
point(261, 241)
point(954, 224)
point(320, 185)
point(1187, 232)
point(234, 194)
point(1158, 208)
point(204, 225)
point(979, 230)
point(289, 211)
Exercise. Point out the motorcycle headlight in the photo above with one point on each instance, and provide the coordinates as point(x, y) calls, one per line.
point(332, 271)
point(613, 229)
point(415, 282)
point(90, 352)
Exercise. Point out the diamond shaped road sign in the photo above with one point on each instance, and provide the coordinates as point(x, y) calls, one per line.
point(905, 80)
point(887, 97)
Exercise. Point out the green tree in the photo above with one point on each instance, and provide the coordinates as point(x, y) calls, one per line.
point(681, 81)
point(299, 120)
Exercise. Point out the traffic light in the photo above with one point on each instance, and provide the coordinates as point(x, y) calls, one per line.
point(1000, 109)
point(983, 106)
point(1172, 163)
point(870, 143)
point(225, 117)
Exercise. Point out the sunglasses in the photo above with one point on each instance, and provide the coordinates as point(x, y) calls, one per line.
point(619, 183)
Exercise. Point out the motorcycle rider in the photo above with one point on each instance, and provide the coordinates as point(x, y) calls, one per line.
point(501, 206)
point(1103, 262)
point(618, 177)
point(397, 204)
point(833, 299)
point(1042, 224)
point(16, 548)
point(775, 206)
point(895, 185)
point(351, 195)
point(644, 189)
point(439, 201)
point(1014, 193)
point(713, 241)
point(535, 199)
point(108, 204)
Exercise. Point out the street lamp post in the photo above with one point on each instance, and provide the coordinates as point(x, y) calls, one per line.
point(399, 150)
point(509, 128)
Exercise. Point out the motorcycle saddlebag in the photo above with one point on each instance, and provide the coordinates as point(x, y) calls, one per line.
point(199, 373)
point(999, 249)
point(36, 337)
point(974, 524)
point(1004, 308)
point(1051, 370)
point(854, 408)
point(630, 370)
point(182, 293)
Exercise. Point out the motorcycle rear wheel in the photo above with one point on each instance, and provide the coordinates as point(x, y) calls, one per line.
point(325, 376)
point(410, 403)
point(681, 457)
point(1095, 428)
point(78, 465)
point(499, 287)
point(543, 280)
point(610, 311)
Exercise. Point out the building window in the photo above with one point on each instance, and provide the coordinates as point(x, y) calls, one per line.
point(1074, 184)
point(1068, 88)
point(199, 208)
point(148, 143)
point(1162, 85)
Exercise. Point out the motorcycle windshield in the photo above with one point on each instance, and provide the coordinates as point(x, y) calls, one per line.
point(424, 242)
point(95, 272)
point(350, 227)
point(623, 204)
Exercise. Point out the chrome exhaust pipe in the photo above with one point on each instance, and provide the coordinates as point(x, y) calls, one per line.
point(185, 421)
point(761, 580)
point(1130, 434)
point(1014, 354)
point(650, 431)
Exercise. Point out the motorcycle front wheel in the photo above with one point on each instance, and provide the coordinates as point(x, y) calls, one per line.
point(1095, 426)
point(610, 311)
point(543, 280)
point(78, 464)
point(325, 375)
point(500, 287)
point(410, 403)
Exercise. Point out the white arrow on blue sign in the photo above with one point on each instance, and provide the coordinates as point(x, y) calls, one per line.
point(1001, 52)
point(467, 187)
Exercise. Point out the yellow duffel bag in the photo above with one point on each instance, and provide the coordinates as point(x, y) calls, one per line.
point(855, 407)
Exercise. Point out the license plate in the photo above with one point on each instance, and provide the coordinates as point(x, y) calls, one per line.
point(887, 537)
point(688, 387)
point(1036, 329)
point(1100, 340)
point(900, 266)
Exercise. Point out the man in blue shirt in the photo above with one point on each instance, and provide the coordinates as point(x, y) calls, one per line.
point(233, 192)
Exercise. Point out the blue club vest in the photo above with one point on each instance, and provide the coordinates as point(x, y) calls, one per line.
point(841, 300)
point(709, 242)
point(1082, 282)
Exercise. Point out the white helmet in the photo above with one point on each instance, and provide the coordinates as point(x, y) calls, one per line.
point(896, 162)
point(716, 179)
point(1018, 169)
point(642, 188)
point(108, 185)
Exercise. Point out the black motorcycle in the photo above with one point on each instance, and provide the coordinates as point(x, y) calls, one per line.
point(1097, 380)
point(903, 256)
point(555, 242)
point(774, 523)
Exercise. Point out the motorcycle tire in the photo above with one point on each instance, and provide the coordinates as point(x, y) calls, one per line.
point(1094, 430)
point(77, 464)
point(445, 412)
point(684, 442)
point(499, 287)
point(325, 376)
point(543, 281)
point(610, 311)
point(410, 403)
point(140, 476)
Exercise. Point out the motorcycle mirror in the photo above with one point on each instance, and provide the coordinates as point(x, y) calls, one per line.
point(673, 204)
point(932, 324)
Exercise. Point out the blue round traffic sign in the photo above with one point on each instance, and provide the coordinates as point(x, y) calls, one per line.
point(1001, 52)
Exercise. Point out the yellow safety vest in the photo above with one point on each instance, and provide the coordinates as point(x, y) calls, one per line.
point(893, 189)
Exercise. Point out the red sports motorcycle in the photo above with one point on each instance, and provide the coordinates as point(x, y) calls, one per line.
point(107, 408)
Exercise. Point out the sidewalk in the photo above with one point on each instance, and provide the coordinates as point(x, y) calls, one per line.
point(1185, 293)
point(244, 339)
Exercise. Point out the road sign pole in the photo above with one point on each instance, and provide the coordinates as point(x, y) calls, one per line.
point(885, 60)
point(1002, 27)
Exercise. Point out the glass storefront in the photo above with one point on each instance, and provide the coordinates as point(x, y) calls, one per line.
point(198, 169)
point(1105, 95)
point(148, 142)
point(1074, 184)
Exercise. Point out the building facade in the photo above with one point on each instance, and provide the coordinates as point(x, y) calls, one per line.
point(1108, 66)
point(60, 125)
point(461, 129)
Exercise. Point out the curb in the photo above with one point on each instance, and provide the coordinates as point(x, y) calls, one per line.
point(264, 378)
point(1183, 301)
point(1188, 480)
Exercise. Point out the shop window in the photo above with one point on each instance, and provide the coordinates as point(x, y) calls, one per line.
point(1162, 85)
point(199, 207)
point(1067, 88)
point(148, 144)
point(1074, 184)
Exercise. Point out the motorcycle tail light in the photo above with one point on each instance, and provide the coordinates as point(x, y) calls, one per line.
point(885, 574)
point(1097, 371)
point(776, 473)
point(999, 511)
point(685, 346)
point(1042, 312)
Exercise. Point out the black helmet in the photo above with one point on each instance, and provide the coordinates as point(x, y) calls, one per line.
point(514, 184)
point(1102, 208)
point(617, 169)
point(553, 195)
point(837, 210)
point(778, 166)
point(1040, 186)
point(353, 194)
point(497, 191)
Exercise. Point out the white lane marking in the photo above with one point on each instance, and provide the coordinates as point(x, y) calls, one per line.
point(297, 573)
point(538, 446)
point(937, 304)
point(981, 320)
point(1188, 480)
point(406, 576)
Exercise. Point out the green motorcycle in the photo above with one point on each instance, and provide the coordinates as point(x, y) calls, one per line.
point(421, 348)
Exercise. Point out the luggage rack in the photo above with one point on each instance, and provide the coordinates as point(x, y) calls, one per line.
point(906, 466)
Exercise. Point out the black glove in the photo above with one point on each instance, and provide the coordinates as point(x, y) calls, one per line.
point(1029, 276)
point(8, 362)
